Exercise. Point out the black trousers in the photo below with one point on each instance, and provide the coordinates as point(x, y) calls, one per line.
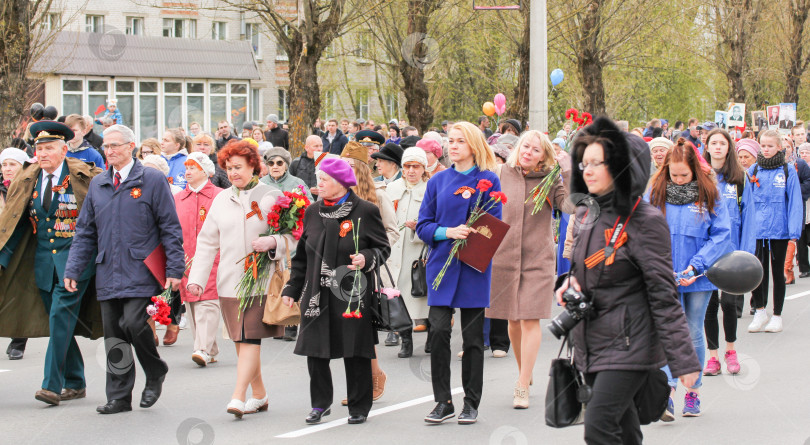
point(771, 253)
point(176, 307)
point(611, 416)
point(729, 304)
point(472, 363)
point(358, 384)
point(801, 251)
point(125, 327)
point(499, 334)
point(17, 343)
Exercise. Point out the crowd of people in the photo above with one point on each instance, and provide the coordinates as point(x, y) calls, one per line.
point(388, 196)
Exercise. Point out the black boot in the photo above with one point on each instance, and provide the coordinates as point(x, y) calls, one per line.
point(407, 343)
point(427, 342)
point(392, 339)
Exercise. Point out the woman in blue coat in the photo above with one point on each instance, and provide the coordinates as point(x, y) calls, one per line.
point(700, 233)
point(450, 197)
point(777, 217)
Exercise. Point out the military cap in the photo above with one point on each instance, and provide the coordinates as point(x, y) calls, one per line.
point(48, 131)
point(369, 137)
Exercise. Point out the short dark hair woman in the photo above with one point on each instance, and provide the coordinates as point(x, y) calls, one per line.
point(321, 279)
point(639, 324)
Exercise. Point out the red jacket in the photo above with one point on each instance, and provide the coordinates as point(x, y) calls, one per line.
point(192, 209)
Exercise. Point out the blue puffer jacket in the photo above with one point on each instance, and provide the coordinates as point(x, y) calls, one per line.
point(698, 240)
point(177, 168)
point(772, 205)
point(734, 208)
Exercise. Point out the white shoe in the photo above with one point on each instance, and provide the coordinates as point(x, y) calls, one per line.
point(759, 321)
point(237, 408)
point(201, 358)
point(256, 405)
point(497, 353)
point(775, 325)
point(183, 322)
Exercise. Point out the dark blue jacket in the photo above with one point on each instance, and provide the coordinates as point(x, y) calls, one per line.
point(336, 147)
point(125, 226)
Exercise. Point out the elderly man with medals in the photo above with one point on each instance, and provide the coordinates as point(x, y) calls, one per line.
point(38, 225)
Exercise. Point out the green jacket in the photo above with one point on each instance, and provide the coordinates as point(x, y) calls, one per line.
point(30, 259)
point(287, 183)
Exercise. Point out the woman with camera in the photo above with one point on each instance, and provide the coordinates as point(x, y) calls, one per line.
point(700, 232)
point(636, 325)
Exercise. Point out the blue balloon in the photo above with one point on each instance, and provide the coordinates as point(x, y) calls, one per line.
point(557, 77)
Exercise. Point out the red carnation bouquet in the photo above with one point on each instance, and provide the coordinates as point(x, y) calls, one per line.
point(477, 212)
point(285, 217)
point(160, 310)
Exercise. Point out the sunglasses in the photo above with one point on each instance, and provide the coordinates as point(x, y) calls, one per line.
point(278, 163)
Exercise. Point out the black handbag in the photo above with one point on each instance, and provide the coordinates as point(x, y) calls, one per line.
point(565, 393)
point(387, 314)
point(419, 287)
point(651, 400)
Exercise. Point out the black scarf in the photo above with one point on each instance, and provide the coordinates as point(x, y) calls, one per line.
point(605, 201)
point(771, 163)
point(682, 194)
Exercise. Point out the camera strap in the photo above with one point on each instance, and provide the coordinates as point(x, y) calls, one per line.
point(617, 235)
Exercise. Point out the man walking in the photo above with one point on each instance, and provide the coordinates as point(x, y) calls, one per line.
point(129, 212)
point(275, 134)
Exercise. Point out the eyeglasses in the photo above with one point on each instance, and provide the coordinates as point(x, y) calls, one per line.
point(146, 152)
point(109, 146)
point(595, 164)
point(278, 163)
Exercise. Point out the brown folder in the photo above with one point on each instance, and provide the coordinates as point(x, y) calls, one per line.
point(483, 243)
point(156, 262)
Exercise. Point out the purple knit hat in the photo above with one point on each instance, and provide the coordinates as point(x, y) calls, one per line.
point(749, 145)
point(339, 170)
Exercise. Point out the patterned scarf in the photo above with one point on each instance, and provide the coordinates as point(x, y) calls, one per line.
point(771, 163)
point(254, 181)
point(682, 194)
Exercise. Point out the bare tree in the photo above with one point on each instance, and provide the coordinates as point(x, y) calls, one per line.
point(797, 60)
point(734, 23)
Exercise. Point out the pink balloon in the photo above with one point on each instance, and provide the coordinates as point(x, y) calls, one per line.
point(500, 103)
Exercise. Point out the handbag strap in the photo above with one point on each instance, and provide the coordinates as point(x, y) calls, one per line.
point(287, 261)
point(382, 264)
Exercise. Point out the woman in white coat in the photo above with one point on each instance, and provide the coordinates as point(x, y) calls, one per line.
point(406, 194)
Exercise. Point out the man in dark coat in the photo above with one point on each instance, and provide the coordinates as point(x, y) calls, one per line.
point(224, 134)
point(275, 134)
point(44, 201)
point(129, 212)
point(304, 166)
point(333, 139)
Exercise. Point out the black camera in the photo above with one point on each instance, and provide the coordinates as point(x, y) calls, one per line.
point(577, 307)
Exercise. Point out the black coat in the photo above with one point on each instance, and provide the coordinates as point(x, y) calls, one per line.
point(278, 137)
point(336, 147)
point(220, 178)
point(304, 167)
point(324, 333)
point(640, 324)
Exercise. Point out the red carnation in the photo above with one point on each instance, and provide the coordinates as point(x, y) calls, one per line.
point(586, 118)
point(498, 196)
point(571, 113)
point(484, 185)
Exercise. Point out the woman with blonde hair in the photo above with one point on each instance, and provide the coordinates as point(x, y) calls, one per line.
point(206, 145)
point(150, 146)
point(448, 201)
point(523, 271)
point(374, 192)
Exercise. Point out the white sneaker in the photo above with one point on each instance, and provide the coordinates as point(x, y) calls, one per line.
point(201, 358)
point(237, 408)
point(497, 353)
point(256, 405)
point(775, 325)
point(183, 322)
point(759, 321)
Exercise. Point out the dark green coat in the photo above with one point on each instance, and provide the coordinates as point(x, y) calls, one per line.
point(29, 259)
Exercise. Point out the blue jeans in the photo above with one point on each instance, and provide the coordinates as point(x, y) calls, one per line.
point(694, 306)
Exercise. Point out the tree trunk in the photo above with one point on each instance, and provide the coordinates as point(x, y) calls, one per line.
point(797, 64)
point(519, 108)
point(305, 98)
point(589, 62)
point(417, 96)
point(15, 58)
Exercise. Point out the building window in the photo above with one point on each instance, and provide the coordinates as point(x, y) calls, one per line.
point(364, 45)
point(256, 105)
point(219, 31)
point(281, 53)
point(94, 23)
point(72, 96)
point(252, 35)
point(135, 26)
point(195, 102)
point(239, 104)
point(148, 110)
point(51, 21)
point(180, 28)
point(361, 104)
point(172, 104)
point(283, 105)
point(392, 105)
point(125, 94)
point(218, 104)
point(330, 104)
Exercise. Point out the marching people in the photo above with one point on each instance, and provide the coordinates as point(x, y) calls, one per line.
point(642, 301)
point(342, 233)
point(11, 161)
point(193, 205)
point(50, 193)
point(407, 193)
point(149, 146)
point(442, 218)
point(79, 147)
point(129, 211)
point(278, 163)
point(523, 275)
point(747, 152)
point(233, 227)
point(731, 184)
point(433, 151)
point(776, 215)
point(700, 234)
point(389, 161)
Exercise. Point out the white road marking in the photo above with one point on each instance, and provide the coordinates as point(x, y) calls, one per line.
point(376, 412)
point(5, 370)
point(799, 295)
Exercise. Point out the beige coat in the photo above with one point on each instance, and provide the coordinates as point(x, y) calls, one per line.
point(408, 247)
point(389, 219)
point(524, 267)
point(228, 232)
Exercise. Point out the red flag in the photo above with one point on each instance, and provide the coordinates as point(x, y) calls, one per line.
point(100, 109)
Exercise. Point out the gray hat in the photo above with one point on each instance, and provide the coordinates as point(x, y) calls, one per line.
point(361, 121)
point(279, 152)
point(272, 118)
point(248, 125)
point(508, 139)
point(501, 151)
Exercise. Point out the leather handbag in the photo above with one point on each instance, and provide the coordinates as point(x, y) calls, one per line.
point(419, 287)
point(275, 311)
point(387, 313)
point(563, 396)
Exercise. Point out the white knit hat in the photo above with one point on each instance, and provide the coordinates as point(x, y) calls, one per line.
point(158, 162)
point(15, 154)
point(414, 154)
point(204, 162)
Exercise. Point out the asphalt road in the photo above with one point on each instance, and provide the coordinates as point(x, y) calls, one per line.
point(765, 404)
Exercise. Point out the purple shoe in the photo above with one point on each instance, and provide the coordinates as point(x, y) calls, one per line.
point(691, 405)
